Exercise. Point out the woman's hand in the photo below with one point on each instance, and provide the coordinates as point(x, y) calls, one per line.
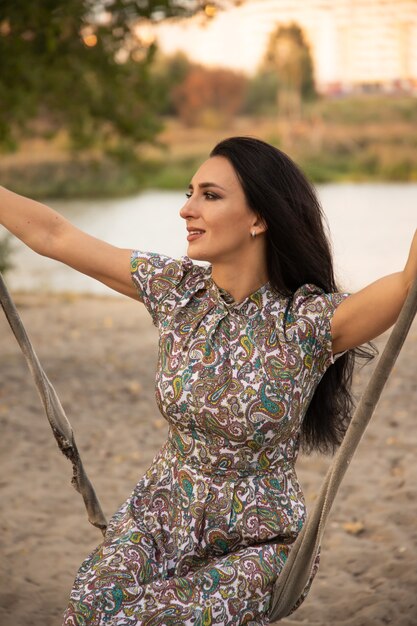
point(369, 312)
point(48, 233)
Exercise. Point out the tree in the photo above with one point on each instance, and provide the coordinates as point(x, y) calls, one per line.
point(215, 93)
point(288, 55)
point(261, 96)
point(168, 73)
point(83, 65)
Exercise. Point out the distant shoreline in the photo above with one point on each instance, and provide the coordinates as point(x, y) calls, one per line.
point(368, 139)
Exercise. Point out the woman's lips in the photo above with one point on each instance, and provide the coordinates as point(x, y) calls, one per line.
point(195, 234)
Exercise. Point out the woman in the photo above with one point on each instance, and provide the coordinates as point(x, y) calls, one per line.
point(256, 355)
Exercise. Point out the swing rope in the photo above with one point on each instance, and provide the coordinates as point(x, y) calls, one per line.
point(56, 415)
point(297, 569)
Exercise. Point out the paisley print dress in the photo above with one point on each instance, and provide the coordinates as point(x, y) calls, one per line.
point(206, 531)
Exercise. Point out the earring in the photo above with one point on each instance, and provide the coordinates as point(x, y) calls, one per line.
point(253, 234)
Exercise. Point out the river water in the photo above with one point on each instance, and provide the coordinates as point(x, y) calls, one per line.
point(371, 227)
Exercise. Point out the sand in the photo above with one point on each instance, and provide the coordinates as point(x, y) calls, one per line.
point(100, 354)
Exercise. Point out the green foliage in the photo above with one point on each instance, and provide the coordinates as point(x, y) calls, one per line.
point(168, 73)
point(366, 109)
point(171, 173)
point(81, 65)
point(97, 178)
point(343, 165)
point(5, 253)
point(75, 178)
point(403, 170)
point(261, 95)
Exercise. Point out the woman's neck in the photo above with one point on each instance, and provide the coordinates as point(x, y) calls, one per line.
point(239, 281)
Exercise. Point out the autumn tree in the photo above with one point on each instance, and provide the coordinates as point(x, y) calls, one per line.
point(288, 57)
point(215, 93)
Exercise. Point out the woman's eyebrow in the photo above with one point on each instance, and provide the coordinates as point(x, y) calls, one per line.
point(205, 185)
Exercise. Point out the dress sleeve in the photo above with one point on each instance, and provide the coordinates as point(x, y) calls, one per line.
point(156, 277)
point(311, 312)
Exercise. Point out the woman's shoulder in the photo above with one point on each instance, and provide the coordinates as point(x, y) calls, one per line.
point(310, 298)
point(158, 264)
point(161, 279)
point(309, 305)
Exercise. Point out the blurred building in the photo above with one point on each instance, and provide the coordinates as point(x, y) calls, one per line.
point(355, 44)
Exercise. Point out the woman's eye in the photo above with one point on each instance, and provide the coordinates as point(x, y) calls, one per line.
point(208, 195)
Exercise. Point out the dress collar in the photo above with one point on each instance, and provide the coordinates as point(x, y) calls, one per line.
point(251, 304)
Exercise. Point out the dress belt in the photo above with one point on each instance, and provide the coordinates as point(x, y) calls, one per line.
point(280, 466)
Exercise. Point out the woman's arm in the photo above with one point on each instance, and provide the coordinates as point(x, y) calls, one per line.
point(48, 233)
point(368, 313)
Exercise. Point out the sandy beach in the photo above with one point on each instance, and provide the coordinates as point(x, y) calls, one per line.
point(100, 354)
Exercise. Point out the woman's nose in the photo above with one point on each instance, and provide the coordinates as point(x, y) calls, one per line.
point(189, 209)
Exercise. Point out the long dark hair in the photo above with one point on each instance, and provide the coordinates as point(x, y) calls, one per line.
point(298, 252)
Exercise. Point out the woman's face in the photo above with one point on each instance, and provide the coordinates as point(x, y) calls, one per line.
point(219, 220)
